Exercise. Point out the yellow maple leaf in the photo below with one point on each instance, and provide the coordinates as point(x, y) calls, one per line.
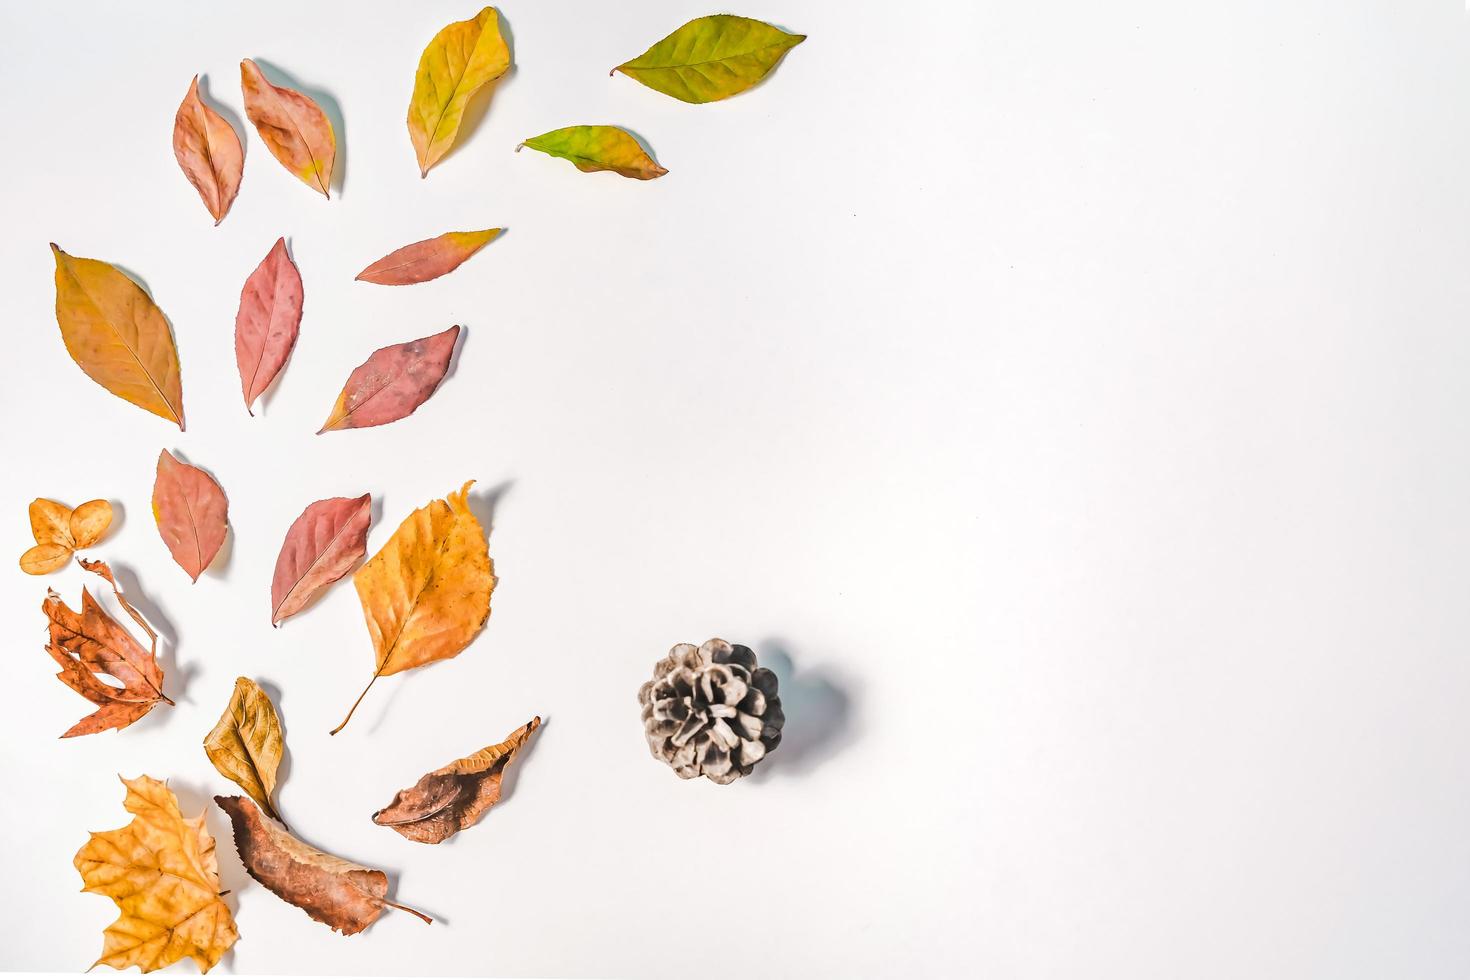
point(162, 872)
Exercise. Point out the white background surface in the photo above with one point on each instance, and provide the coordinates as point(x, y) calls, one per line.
point(1073, 392)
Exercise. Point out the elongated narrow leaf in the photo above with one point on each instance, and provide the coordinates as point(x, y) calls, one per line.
point(208, 152)
point(191, 512)
point(345, 896)
point(711, 58)
point(447, 800)
point(117, 335)
point(246, 744)
point(293, 126)
point(426, 594)
point(461, 59)
point(268, 321)
point(322, 545)
point(393, 382)
point(594, 148)
point(428, 259)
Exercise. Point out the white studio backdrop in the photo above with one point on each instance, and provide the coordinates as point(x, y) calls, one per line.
point(1069, 399)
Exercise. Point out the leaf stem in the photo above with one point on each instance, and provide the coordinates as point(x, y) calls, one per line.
point(350, 710)
point(405, 908)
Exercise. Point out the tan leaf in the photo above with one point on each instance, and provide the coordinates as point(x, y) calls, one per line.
point(448, 800)
point(426, 594)
point(90, 643)
point(59, 531)
point(161, 871)
point(246, 744)
point(42, 558)
point(338, 893)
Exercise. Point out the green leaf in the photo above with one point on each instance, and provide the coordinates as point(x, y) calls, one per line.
point(594, 148)
point(711, 58)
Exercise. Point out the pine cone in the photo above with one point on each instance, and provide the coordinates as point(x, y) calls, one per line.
point(710, 711)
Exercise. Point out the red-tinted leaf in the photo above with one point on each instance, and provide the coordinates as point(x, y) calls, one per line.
point(322, 545)
point(393, 382)
point(428, 259)
point(191, 512)
point(268, 321)
point(208, 152)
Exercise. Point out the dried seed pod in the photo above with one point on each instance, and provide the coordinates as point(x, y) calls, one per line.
point(711, 711)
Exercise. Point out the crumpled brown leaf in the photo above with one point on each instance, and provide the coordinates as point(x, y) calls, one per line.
point(246, 745)
point(448, 800)
point(162, 872)
point(90, 644)
point(338, 893)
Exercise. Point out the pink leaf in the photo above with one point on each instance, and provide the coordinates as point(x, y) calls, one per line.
point(393, 382)
point(268, 321)
point(191, 512)
point(322, 545)
point(208, 152)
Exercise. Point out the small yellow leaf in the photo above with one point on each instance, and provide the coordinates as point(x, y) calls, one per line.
point(43, 558)
point(426, 594)
point(117, 335)
point(162, 872)
point(89, 522)
point(246, 745)
point(50, 522)
point(711, 58)
point(461, 59)
point(594, 148)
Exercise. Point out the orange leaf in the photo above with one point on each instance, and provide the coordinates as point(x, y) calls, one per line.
point(428, 259)
point(208, 152)
point(294, 128)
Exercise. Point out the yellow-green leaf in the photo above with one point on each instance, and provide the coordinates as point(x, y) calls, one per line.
point(461, 59)
point(594, 148)
point(246, 744)
point(711, 58)
point(117, 335)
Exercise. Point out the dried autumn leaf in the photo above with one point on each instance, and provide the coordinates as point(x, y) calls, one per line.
point(162, 872)
point(448, 800)
point(268, 321)
point(191, 512)
point(89, 522)
point(90, 644)
point(293, 126)
point(338, 893)
point(59, 531)
point(117, 335)
point(426, 593)
point(208, 152)
point(461, 59)
point(428, 259)
point(246, 744)
point(321, 546)
point(594, 148)
point(392, 383)
point(711, 58)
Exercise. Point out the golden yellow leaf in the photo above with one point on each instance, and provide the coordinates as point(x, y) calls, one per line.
point(162, 873)
point(117, 335)
point(43, 558)
point(427, 592)
point(246, 745)
point(461, 59)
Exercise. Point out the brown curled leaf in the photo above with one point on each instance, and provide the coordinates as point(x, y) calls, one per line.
point(345, 896)
point(448, 800)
